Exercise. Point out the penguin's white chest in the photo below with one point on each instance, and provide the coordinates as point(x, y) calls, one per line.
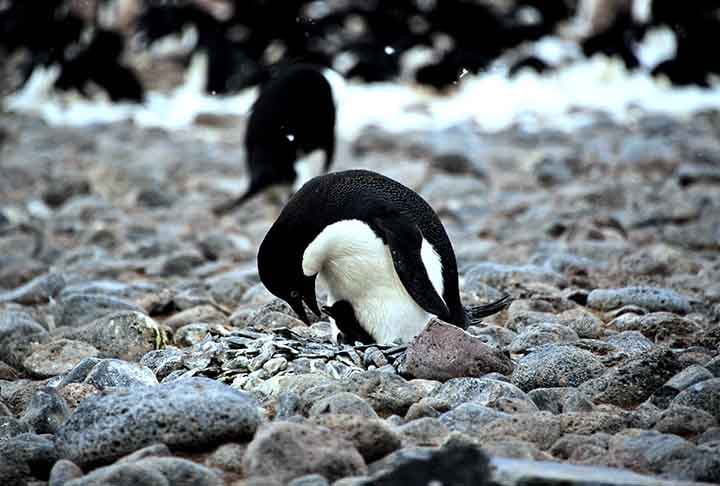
point(356, 266)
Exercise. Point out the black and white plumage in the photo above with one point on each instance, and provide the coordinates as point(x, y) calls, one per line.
point(293, 117)
point(376, 245)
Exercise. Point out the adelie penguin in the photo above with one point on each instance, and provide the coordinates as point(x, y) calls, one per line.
point(380, 250)
point(293, 117)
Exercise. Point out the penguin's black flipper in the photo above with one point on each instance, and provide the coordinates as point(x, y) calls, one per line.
point(405, 241)
point(477, 312)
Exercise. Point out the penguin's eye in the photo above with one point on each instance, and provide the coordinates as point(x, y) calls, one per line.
point(294, 294)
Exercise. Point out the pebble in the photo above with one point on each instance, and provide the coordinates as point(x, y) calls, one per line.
point(482, 391)
point(632, 383)
point(343, 403)
point(77, 309)
point(57, 357)
point(704, 395)
point(191, 412)
point(110, 373)
point(287, 450)
point(556, 366)
point(536, 335)
point(152, 470)
point(39, 290)
point(18, 331)
point(46, 411)
point(373, 438)
point(651, 298)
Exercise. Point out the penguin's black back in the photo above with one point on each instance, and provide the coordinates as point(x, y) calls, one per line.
point(295, 111)
point(361, 195)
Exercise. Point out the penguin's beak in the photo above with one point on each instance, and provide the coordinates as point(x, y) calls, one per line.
point(308, 295)
point(299, 309)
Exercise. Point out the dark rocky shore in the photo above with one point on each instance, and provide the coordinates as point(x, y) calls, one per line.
point(137, 345)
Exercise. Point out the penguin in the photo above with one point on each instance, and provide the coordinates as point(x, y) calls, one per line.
point(350, 329)
point(377, 246)
point(293, 117)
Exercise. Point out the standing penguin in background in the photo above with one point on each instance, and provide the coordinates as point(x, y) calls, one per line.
point(379, 248)
point(293, 117)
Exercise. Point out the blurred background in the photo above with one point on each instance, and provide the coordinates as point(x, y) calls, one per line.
point(409, 63)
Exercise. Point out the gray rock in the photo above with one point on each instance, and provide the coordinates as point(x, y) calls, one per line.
point(190, 334)
point(46, 411)
point(539, 428)
point(633, 382)
point(556, 366)
point(79, 309)
point(703, 396)
point(561, 399)
point(309, 480)
point(520, 318)
point(684, 421)
point(288, 450)
point(582, 448)
point(179, 263)
point(164, 361)
point(79, 372)
point(63, 472)
point(516, 471)
point(37, 291)
point(126, 335)
point(153, 450)
point(227, 457)
point(57, 357)
point(186, 413)
point(650, 298)
point(425, 431)
point(553, 170)
point(427, 355)
point(62, 188)
point(536, 335)
point(11, 427)
point(151, 471)
point(631, 343)
point(495, 336)
point(372, 437)
point(18, 331)
point(452, 464)
point(482, 391)
point(689, 376)
point(516, 449)
point(200, 313)
point(656, 325)
point(648, 450)
point(117, 373)
point(469, 418)
point(29, 453)
point(713, 366)
point(584, 323)
point(503, 276)
point(343, 403)
point(7, 372)
point(592, 422)
point(387, 393)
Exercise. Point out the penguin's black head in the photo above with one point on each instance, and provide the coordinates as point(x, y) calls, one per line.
point(280, 268)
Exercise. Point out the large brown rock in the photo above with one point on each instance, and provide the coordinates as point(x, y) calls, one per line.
point(443, 351)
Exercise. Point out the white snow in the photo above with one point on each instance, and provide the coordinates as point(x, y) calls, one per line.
point(491, 99)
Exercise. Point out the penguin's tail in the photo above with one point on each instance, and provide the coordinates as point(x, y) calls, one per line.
point(477, 312)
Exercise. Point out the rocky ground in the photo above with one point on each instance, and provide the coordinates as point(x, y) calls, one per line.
point(137, 346)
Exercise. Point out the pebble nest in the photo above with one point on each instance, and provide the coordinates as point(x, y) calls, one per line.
point(136, 340)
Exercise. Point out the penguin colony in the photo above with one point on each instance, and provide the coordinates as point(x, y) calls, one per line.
point(245, 40)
